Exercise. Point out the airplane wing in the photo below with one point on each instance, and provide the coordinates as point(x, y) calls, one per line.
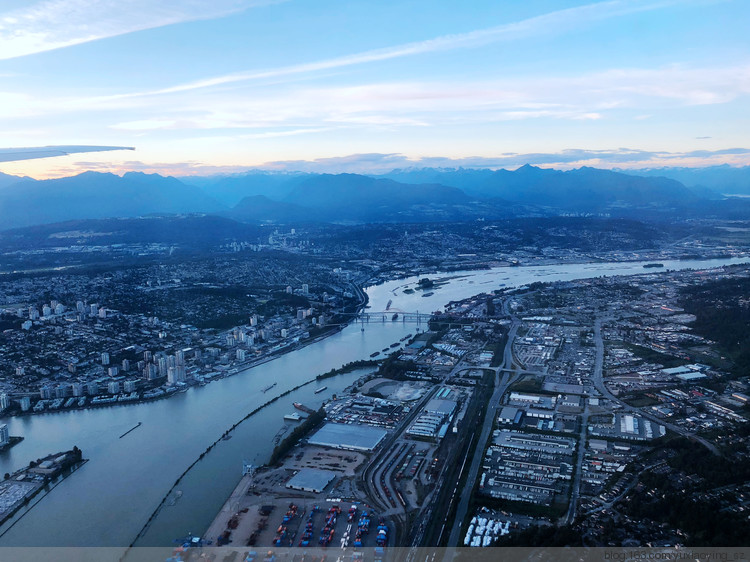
point(14, 154)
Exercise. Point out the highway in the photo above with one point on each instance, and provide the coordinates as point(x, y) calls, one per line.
point(501, 386)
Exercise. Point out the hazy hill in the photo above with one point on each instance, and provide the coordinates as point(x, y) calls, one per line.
point(7, 179)
point(718, 179)
point(353, 197)
point(230, 190)
point(258, 208)
point(401, 196)
point(581, 190)
point(190, 231)
point(97, 195)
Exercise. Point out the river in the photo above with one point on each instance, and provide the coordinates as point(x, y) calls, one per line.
point(107, 502)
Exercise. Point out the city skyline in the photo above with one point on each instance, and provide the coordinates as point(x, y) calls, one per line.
point(221, 87)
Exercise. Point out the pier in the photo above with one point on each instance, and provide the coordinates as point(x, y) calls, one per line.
point(136, 426)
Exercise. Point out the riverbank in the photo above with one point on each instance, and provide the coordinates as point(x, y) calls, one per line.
point(546, 262)
point(223, 437)
point(175, 432)
point(13, 440)
point(18, 489)
point(236, 369)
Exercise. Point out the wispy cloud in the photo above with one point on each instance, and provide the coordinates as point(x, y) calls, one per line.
point(571, 158)
point(551, 23)
point(51, 24)
point(380, 163)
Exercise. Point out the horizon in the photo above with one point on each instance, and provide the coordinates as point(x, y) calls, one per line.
point(240, 84)
point(315, 168)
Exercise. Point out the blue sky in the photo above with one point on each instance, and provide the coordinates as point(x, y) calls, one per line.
point(223, 85)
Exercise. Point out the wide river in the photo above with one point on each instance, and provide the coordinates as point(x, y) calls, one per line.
point(108, 501)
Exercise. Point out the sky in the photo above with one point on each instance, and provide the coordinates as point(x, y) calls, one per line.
point(220, 86)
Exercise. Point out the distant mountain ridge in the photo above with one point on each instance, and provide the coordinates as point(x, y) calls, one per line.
point(583, 190)
point(416, 195)
point(721, 180)
point(99, 195)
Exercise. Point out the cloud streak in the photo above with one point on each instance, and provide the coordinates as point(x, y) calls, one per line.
point(52, 24)
point(380, 163)
point(376, 163)
point(552, 22)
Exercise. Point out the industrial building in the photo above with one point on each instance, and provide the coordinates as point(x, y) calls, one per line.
point(351, 437)
point(311, 480)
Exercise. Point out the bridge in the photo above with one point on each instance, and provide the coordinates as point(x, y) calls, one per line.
point(391, 316)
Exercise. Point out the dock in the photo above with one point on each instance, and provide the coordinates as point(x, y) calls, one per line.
point(136, 426)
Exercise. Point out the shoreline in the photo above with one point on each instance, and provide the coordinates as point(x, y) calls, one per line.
point(247, 366)
point(360, 287)
point(547, 263)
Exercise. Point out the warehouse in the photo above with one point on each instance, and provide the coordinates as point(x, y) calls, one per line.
point(351, 437)
point(311, 480)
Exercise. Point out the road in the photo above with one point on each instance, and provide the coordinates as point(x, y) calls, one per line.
point(575, 488)
point(604, 391)
point(501, 386)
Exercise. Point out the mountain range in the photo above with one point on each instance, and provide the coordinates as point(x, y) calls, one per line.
point(413, 195)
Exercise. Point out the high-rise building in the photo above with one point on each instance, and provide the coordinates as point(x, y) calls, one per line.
point(147, 355)
point(78, 389)
point(92, 388)
point(4, 435)
point(45, 392)
point(113, 387)
point(33, 313)
point(102, 312)
point(4, 401)
point(25, 404)
point(241, 355)
point(129, 386)
point(46, 311)
point(125, 365)
point(94, 309)
point(80, 307)
point(179, 357)
point(150, 372)
point(105, 358)
point(113, 371)
point(175, 374)
point(62, 391)
point(305, 288)
point(59, 308)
